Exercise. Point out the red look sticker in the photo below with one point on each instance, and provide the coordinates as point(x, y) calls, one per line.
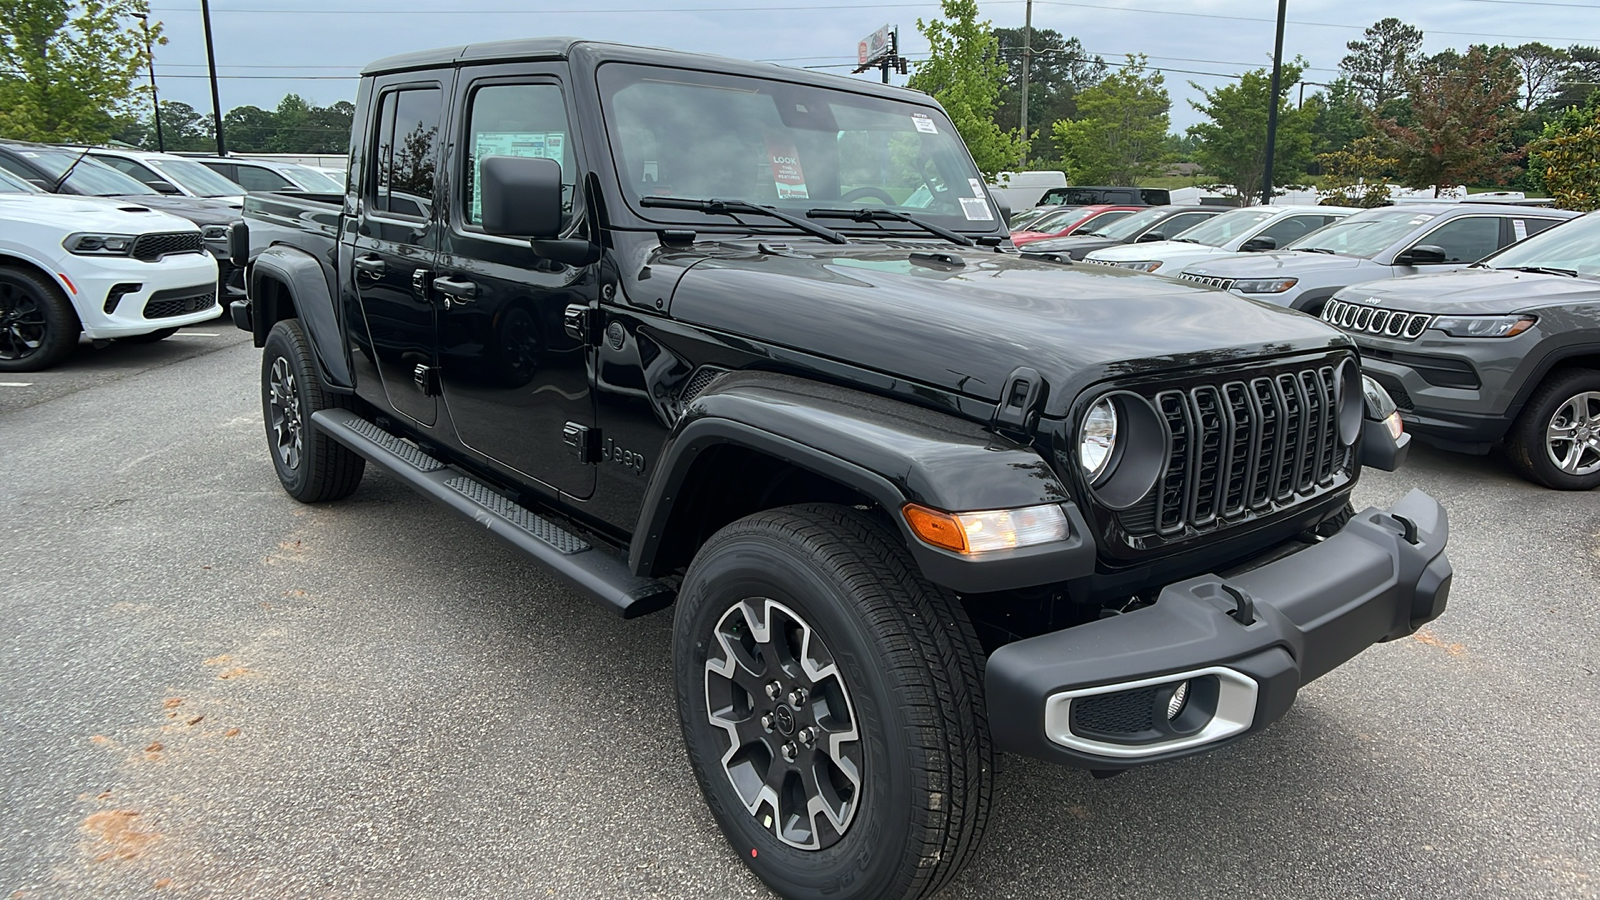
point(787, 176)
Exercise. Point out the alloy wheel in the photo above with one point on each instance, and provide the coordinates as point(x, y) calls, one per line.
point(22, 323)
point(283, 397)
point(794, 753)
point(1572, 439)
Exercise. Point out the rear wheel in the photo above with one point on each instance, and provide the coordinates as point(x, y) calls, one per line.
point(311, 466)
point(1556, 440)
point(38, 327)
point(831, 704)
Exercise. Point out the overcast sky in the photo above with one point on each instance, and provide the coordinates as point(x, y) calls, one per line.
point(266, 48)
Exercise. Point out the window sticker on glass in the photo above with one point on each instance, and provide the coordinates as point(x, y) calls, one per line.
point(976, 209)
point(787, 176)
point(924, 123)
point(542, 144)
point(1418, 220)
point(977, 187)
point(1519, 228)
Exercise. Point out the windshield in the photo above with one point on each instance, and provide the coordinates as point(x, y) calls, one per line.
point(1135, 223)
point(1227, 226)
point(11, 184)
point(704, 136)
point(1573, 245)
point(196, 178)
point(1364, 234)
point(1057, 220)
point(89, 176)
point(311, 180)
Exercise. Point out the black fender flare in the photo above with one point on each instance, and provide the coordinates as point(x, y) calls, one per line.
point(1556, 350)
point(304, 279)
point(1313, 298)
point(887, 450)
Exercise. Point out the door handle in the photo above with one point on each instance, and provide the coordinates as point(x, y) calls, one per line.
point(369, 265)
point(459, 291)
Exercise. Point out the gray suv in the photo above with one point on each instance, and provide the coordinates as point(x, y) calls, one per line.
point(1505, 354)
point(1378, 243)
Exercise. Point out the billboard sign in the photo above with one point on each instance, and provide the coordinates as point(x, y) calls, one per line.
point(875, 46)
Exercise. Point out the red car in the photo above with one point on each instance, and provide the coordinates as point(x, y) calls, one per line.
point(1073, 220)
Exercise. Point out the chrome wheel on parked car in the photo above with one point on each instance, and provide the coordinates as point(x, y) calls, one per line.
point(1572, 439)
point(284, 404)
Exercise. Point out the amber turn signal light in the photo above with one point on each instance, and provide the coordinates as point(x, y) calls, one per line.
point(939, 529)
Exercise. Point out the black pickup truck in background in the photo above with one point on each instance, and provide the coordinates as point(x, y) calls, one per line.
point(752, 343)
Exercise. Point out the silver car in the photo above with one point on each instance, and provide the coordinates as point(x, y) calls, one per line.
point(1372, 245)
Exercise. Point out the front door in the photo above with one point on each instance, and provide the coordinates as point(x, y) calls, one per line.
point(396, 244)
point(516, 384)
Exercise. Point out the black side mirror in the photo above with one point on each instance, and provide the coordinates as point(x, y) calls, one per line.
point(239, 244)
point(1149, 236)
point(1422, 255)
point(521, 196)
point(1001, 204)
point(1258, 244)
point(161, 187)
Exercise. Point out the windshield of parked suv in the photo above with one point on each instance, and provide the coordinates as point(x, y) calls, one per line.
point(11, 184)
point(1131, 225)
point(1056, 220)
point(196, 177)
point(1227, 226)
point(1363, 234)
point(311, 180)
point(89, 176)
point(1573, 245)
point(702, 136)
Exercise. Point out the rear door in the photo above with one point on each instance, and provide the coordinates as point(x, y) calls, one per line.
point(397, 240)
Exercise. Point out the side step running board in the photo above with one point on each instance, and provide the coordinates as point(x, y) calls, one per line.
point(591, 569)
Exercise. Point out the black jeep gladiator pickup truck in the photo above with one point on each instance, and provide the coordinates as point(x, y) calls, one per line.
point(751, 342)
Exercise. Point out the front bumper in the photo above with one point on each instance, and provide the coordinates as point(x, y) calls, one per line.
point(121, 297)
point(1097, 696)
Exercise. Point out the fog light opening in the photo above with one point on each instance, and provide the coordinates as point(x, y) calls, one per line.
point(1179, 698)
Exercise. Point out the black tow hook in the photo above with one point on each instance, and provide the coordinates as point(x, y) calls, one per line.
point(1408, 529)
point(1244, 606)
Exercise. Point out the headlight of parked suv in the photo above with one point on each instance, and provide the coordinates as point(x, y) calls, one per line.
point(1482, 326)
point(99, 244)
point(215, 233)
point(1265, 285)
point(1140, 265)
point(1097, 438)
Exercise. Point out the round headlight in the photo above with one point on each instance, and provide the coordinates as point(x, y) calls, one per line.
point(1098, 438)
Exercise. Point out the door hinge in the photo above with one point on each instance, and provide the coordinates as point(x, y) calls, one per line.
point(421, 280)
point(582, 441)
point(427, 378)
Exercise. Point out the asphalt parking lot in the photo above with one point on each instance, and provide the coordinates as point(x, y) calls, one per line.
point(212, 691)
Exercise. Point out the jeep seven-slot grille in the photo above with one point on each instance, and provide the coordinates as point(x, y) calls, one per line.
point(1209, 280)
point(1242, 446)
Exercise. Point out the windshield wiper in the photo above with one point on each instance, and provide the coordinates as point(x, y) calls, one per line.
point(735, 207)
point(1315, 250)
point(1186, 240)
point(873, 214)
point(1544, 270)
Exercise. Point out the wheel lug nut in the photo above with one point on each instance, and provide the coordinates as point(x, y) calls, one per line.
point(773, 689)
point(807, 735)
point(797, 697)
point(789, 752)
point(766, 722)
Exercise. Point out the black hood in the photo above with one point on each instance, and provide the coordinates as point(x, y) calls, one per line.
point(1476, 291)
point(199, 210)
point(965, 328)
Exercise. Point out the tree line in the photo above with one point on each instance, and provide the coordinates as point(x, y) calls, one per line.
point(1526, 117)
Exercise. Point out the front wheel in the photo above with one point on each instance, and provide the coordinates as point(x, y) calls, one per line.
point(1556, 440)
point(832, 708)
point(311, 466)
point(38, 326)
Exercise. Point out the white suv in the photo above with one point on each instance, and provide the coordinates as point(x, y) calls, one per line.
point(106, 268)
point(171, 174)
point(1249, 229)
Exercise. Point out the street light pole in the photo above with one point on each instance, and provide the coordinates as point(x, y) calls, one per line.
point(155, 99)
point(1272, 108)
point(211, 63)
point(1027, 61)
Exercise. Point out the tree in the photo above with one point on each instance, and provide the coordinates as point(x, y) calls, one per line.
point(963, 72)
point(1120, 135)
point(1377, 66)
point(1357, 175)
point(1581, 80)
point(250, 129)
point(1338, 117)
point(1061, 70)
point(1567, 158)
point(1460, 119)
point(1543, 68)
point(1232, 146)
point(67, 68)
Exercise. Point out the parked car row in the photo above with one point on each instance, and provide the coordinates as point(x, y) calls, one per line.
point(1482, 321)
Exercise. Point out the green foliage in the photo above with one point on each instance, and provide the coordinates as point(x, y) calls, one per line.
point(1232, 146)
point(295, 126)
point(1460, 121)
point(1542, 69)
point(1061, 70)
point(1357, 176)
point(1377, 66)
point(183, 128)
point(66, 68)
point(1567, 157)
point(1120, 135)
point(1339, 118)
point(963, 72)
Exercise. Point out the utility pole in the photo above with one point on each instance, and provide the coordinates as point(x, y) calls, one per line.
point(211, 63)
point(1272, 108)
point(155, 99)
point(1027, 62)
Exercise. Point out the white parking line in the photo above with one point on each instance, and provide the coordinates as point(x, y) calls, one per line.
point(197, 334)
point(16, 384)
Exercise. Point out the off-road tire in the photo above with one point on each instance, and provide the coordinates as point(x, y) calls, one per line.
point(38, 326)
point(906, 653)
point(1526, 445)
point(149, 337)
point(317, 468)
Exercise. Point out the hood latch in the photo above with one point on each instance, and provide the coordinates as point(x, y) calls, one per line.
point(1020, 398)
